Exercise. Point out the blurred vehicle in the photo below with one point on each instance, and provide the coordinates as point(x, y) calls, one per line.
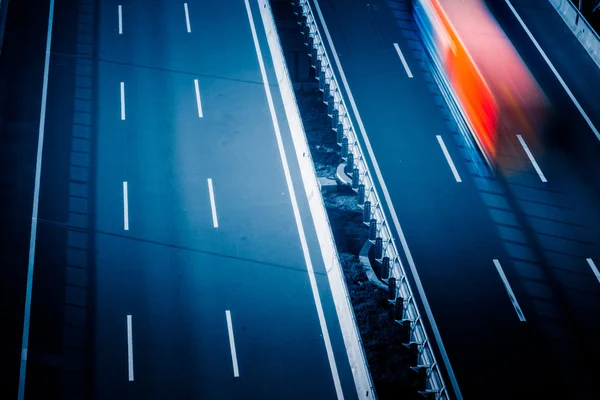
point(494, 90)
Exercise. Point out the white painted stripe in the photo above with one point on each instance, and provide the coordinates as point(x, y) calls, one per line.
point(34, 212)
point(535, 164)
point(389, 203)
point(236, 371)
point(130, 347)
point(213, 207)
point(560, 79)
point(125, 207)
point(198, 102)
point(300, 227)
point(594, 268)
point(450, 162)
point(120, 19)
point(406, 68)
point(187, 18)
point(122, 101)
point(511, 295)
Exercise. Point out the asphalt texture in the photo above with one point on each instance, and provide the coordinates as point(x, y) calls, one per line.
point(541, 233)
point(161, 260)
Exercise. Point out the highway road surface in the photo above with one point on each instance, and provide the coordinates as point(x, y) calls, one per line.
point(508, 261)
point(166, 245)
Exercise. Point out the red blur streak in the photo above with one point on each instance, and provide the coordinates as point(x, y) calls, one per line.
point(476, 99)
point(496, 90)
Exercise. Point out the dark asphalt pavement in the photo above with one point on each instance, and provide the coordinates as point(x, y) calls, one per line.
point(541, 233)
point(172, 270)
point(21, 71)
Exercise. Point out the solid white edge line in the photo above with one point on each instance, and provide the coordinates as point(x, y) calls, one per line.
point(120, 20)
point(130, 347)
point(594, 268)
point(290, 186)
point(34, 212)
point(450, 162)
point(125, 207)
point(187, 18)
point(535, 164)
point(198, 101)
point(560, 79)
point(406, 68)
point(388, 200)
point(213, 206)
point(236, 371)
point(122, 101)
point(511, 294)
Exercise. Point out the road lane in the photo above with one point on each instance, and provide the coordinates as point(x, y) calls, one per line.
point(173, 270)
point(453, 231)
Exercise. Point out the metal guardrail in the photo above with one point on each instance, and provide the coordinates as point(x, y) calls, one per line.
point(426, 365)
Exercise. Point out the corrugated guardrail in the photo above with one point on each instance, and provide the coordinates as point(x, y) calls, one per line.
point(589, 39)
point(426, 366)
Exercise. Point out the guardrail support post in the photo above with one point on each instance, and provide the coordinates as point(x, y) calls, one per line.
point(306, 33)
point(297, 8)
point(385, 268)
point(302, 20)
point(361, 194)
point(391, 287)
point(399, 309)
point(367, 212)
point(413, 354)
point(379, 250)
point(330, 105)
point(311, 44)
point(373, 229)
point(314, 53)
point(406, 329)
point(355, 178)
point(335, 117)
point(350, 162)
point(340, 133)
point(345, 148)
point(321, 74)
point(421, 384)
point(326, 91)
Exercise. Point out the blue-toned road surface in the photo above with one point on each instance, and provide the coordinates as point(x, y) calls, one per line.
point(542, 234)
point(168, 252)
